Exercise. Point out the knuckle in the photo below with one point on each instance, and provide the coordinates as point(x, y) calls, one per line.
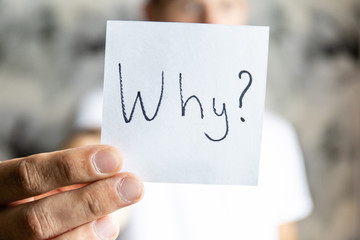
point(29, 177)
point(37, 223)
point(64, 169)
point(92, 205)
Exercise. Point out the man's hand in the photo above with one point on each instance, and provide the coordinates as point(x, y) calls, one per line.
point(36, 201)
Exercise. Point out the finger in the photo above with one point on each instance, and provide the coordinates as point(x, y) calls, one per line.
point(54, 215)
point(41, 173)
point(59, 190)
point(106, 228)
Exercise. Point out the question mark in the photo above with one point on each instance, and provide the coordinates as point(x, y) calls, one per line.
point(245, 90)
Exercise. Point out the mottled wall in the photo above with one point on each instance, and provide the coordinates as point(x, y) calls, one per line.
point(52, 52)
point(314, 80)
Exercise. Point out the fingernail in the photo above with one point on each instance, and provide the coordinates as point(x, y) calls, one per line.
point(106, 228)
point(105, 161)
point(130, 189)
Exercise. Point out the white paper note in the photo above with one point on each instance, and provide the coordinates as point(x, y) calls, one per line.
point(184, 102)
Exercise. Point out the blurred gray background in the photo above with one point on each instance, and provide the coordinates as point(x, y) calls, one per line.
point(52, 53)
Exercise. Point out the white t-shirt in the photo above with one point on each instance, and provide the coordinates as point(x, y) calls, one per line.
point(192, 212)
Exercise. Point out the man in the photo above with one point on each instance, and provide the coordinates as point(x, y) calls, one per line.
point(169, 212)
point(234, 12)
point(269, 211)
